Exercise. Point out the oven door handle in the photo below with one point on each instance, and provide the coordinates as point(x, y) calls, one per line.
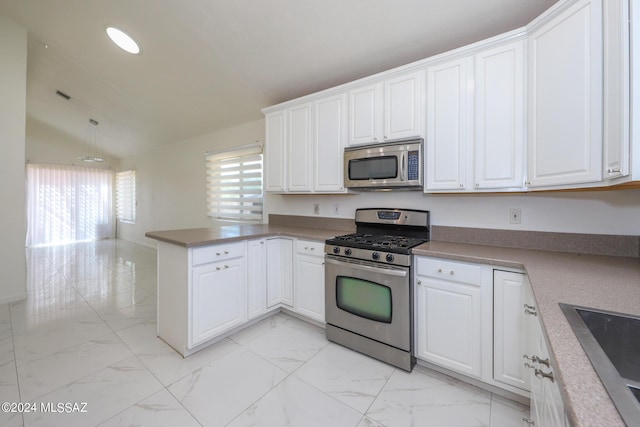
point(392, 272)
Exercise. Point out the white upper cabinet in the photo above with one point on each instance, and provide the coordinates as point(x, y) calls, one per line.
point(499, 117)
point(330, 136)
point(365, 114)
point(300, 139)
point(449, 124)
point(403, 106)
point(275, 151)
point(565, 98)
point(616, 88)
point(388, 110)
point(475, 121)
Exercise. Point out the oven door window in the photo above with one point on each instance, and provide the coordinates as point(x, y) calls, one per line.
point(383, 167)
point(365, 299)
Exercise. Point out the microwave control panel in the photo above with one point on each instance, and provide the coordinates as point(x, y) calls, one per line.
point(413, 169)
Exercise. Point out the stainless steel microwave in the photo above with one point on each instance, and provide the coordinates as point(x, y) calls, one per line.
point(384, 166)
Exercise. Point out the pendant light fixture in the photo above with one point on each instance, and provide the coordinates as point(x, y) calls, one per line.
point(91, 148)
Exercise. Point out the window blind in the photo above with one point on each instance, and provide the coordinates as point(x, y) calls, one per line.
point(68, 204)
point(126, 196)
point(234, 184)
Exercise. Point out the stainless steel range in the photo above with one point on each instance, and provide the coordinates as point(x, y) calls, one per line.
point(368, 293)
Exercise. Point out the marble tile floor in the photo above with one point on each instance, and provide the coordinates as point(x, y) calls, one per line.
point(81, 350)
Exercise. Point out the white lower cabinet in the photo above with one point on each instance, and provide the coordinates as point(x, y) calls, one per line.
point(547, 408)
point(218, 299)
point(453, 302)
point(509, 329)
point(309, 280)
point(279, 272)
point(256, 278)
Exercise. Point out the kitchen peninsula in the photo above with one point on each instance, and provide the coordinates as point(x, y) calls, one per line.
point(598, 281)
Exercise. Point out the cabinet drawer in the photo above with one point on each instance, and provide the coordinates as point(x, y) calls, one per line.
point(309, 247)
point(215, 253)
point(449, 270)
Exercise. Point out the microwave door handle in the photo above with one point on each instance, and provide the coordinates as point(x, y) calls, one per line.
point(403, 175)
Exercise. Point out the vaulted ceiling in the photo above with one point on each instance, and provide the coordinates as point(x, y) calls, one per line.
point(207, 65)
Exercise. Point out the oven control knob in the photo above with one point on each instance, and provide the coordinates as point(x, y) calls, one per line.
point(389, 258)
point(375, 256)
point(336, 249)
point(347, 252)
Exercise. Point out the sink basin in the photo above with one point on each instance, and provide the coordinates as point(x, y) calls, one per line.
point(612, 343)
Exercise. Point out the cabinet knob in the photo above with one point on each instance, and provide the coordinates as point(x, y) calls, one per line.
point(217, 253)
point(385, 137)
point(262, 243)
point(461, 185)
point(313, 249)
point(419, 283)
point(375, 139)
point(477, 185)
point(528, 182)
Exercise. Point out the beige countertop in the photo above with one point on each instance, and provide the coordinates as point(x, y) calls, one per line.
point(193, 237)
point(604, 282)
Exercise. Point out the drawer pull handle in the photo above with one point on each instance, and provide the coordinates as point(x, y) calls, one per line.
point(451, 272)
point(542, 374)
point(536, 359)
point(527, 311)
point(530, 307)
point(528, 421)
point(526, 365)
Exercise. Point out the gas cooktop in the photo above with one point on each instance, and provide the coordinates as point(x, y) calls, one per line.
point(387, 243)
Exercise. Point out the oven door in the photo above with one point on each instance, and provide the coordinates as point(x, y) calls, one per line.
point(369, 299)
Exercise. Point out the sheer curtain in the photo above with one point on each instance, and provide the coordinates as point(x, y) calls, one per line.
point(68, 204)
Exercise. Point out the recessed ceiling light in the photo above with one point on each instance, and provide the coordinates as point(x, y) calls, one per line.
point(123, 40)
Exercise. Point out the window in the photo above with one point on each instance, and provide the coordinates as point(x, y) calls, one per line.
point(126, 196)
point(68, 204)
point(234, 184)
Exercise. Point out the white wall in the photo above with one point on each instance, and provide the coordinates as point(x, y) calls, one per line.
point(13, 83)
point(46, 144)
point(594, 212)
point(171, 182)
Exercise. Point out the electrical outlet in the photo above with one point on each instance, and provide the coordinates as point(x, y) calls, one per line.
point(316, 208)
point(515, 216)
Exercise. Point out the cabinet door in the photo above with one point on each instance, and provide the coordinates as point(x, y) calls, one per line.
point(218, 299)
point(275, 151)
point(616, 88)
point(509, 329)
point(330, 137)
point(449, 116)
point(256, 278)
point(449, 325)
point(365, 114)
point(499, 117)
point(309, 286)
point(279, 272)
point(403, 106)
point(300, 121)
point(565, 98)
